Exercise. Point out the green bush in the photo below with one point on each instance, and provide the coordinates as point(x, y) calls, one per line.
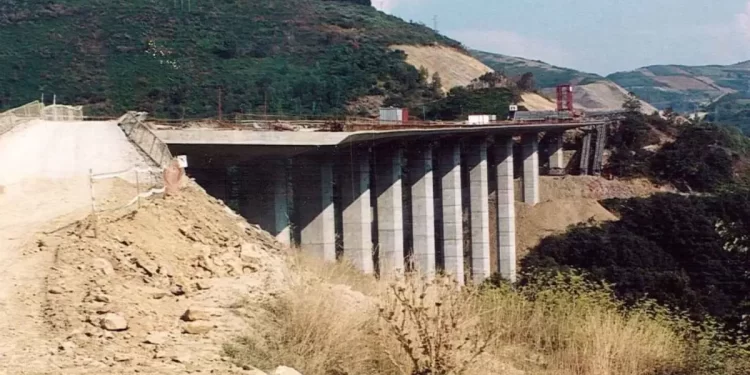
point(684, 252)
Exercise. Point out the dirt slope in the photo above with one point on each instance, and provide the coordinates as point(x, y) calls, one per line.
point(571, 200)
point(536, 102)
point(459, 69)
point(601, 96)
point(455, 67)
point(553, 217)
point(149, 267)
point(44, 170)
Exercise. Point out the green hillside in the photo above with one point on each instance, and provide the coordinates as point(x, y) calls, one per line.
point(173, 57)
point(545, 75)
point(684, 88)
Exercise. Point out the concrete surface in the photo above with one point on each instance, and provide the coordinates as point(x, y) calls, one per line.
point(530, 144)
point(449, 173)
point(479, 209)
point(506, 211)
point(390, 218)
point(356, 216)
point(422, 209)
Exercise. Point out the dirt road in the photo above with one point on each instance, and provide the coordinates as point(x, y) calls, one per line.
point(44, 169)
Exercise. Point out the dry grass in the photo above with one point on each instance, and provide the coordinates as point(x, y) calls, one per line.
point(580, 329)
point(335, 321)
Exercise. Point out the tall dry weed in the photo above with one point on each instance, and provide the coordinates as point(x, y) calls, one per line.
point(334, 321)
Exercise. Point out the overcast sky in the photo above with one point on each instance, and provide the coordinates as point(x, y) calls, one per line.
point(599, 36)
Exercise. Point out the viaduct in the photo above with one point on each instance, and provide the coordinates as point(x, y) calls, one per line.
point(388, 201)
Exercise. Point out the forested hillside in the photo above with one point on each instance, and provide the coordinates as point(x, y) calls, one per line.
point(176, 58)
point(684, 88)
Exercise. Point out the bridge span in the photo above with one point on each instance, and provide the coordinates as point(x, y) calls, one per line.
point(388, 201)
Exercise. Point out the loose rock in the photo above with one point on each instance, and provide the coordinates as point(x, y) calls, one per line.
point(249, 251)
point(250, 370)
point(177, 290)
point(122, 357)
point(102, 298)
point(203, 285)
point(114, 322)
point(181, 358)
point(67, 346)
point(156, 338)
point(55, 290)
point(198, 328)
point(283, 370)
point(104, 266)
point(192, 314)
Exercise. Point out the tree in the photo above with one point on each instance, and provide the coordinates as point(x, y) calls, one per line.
point(527, 82)
point(423, 74)
point(437, 85)
point(668, 247)
point(632, 103)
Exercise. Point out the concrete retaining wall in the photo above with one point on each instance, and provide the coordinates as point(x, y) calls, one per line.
point(9, 119)
point(133, 126)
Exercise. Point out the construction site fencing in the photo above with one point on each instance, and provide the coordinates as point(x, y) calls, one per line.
point(57, 112)
point(9, 119)
point(123, 190)
point(140, 134)
point(134, 177)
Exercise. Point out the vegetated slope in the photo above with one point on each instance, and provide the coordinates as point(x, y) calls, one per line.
point(546, 75)
point(175, 58)
point(731, 109)
point(692, 157)
point(684, 88)
point(691, 254)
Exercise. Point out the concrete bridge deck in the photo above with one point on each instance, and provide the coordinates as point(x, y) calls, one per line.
point(217, 136)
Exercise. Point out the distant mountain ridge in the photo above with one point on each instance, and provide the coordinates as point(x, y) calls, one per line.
point(592, 91)
point(684, 88)
point(546, 75)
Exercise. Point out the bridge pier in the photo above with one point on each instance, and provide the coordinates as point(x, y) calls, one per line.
point(314, 203)
point(357, 221)
point(422, 209)
point(530, 144)
point(479, 209)
point(556, 156)
point(389, 210)
point(449, 173)
point(276, 210)
point(506, 211)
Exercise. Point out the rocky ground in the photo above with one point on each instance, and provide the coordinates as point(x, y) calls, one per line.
point(157, 290)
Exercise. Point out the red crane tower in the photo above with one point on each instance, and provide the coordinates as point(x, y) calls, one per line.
point(565, 98)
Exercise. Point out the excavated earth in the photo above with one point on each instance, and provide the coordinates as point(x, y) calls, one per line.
point(156, 290)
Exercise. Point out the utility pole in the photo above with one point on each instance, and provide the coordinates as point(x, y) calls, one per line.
point(218, 94)
point(265, 103)
point(435, 23)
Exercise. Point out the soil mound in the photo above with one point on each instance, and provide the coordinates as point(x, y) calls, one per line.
point(553, 217)
point(154, 289)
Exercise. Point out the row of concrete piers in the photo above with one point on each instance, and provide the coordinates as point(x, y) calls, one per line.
point(398, 207)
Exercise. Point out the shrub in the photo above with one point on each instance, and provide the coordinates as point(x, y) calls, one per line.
point(553, 324)
point(437, 326)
